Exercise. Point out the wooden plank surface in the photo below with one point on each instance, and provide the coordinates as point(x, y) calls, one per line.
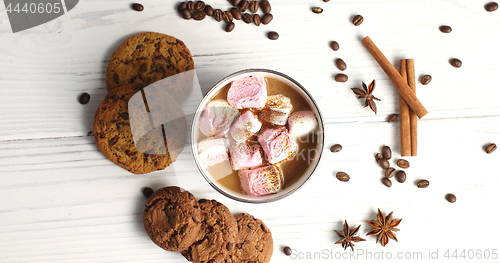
point(61, 200)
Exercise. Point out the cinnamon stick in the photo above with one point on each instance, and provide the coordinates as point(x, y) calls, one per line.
point(404, 116)
point(393, 74)
point(410, 69)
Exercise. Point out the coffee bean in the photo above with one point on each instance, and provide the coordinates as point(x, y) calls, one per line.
point(199, 15)
point(256, 19)
point(340, 63)
point(451, 198)
point(137, 7)
point(253, 6)
point(266, 19)
point(401, 176)
point(378, 156)
point(341, 77)
point(317, 10)
point(326, 1)
point(190, 5)
point(392, 117)
point(200, 5)
point(403, 163)
point(147, 191)
point(490, 7)
point(425, 79)
point(445, 29)
point(227, 16)
point(383, 163)
point(186, 14)
point(217, 15)
point(265, 6)
point(422, 184)
point(334, 45)
point(209, 10)
point(456, 62)
point(236, 13)
point(243, 6)
point(386, 182)
point(387, 152)
point(235, 2)
point(181, 6)
point(390, 172)
point(287, 250)
point(247, 18)
point(343, 176)
point(490, 148)
point(357, 20)
point(229, 27)
point(84, 98)
point(273, 35)
point(336, 148)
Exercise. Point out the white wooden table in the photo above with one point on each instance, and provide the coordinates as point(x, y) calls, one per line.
point(61, 200)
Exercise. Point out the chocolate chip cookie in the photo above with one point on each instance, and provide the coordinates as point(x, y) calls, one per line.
point(172, 218)
point(217, 236)
point(134, 129)
point(148, 57)
point(254, 242)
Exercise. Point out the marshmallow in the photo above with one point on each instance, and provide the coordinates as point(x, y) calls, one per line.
point(248, 92)
point(245, 126)
point(301, 123)
point(277, 144)
point(276, 110)
point(217, 118)
point(261, 181)
point(244, 156)
point(212, 151)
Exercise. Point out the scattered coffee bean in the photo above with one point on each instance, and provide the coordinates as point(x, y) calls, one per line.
point(253, 6)
point(190, 5)
point(336, 148)
point(357, 20)
point(137, 7)
point(490, 148)
point(387, 182)
point(265, 6)
point(392, 117)
point(186, 14)
point(401, 176)
point(317, 10)
point(209, 10)
point(273, 35)
point(451, 198)
point(341, 77)
point(383, 163)
point(229, 27)
point(390, 172)
point(181, 6)
point(445, 29)
point(227, 16)
point(256, 19)
point(266, 19)
point(387, 152)
point(456, 62)
point(402, 163)
point(217, 15)
point(236, 13)
point(287, 250)
point(490, 7)
point(147, 191)
point(200, 5)
point(378, 156)
point(340, 63)
point(425, 79)
point(84, 98)
point(235, 2)
point(334, 45)
point(247, 18)
point(326, 1)
point(199, 15)
point(422, 184)
point(343, 176)
point(243, 6)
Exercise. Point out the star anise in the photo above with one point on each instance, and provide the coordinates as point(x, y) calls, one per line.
point(366, 93)
point(384, 228)
point(348, 236)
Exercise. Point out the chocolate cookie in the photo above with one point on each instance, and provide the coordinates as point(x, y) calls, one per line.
point(217, 236)
point(148, 57)
point(254, 242)
point(172, 218)
point(140, 130)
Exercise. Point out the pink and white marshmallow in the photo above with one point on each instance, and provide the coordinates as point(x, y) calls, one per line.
point(217, 118)
point(276, 110)
point(277, 144)
point(212, 151)
point(244, 156)
point(261, 181)
point(301, 123)
point(248, 92)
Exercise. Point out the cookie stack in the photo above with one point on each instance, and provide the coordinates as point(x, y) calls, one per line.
point(204, 230)
point(138, 127)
